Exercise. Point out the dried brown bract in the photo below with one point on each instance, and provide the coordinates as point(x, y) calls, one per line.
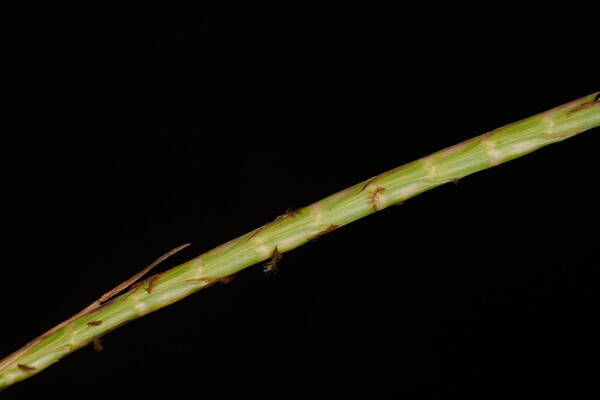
point(271, 266)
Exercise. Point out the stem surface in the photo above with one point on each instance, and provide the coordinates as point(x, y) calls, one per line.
point(298, 227)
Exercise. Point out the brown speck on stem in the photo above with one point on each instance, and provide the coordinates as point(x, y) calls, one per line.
point(209, 281)
point(583, 106)
point(271, 266)
point(212, 281)
point(227, 279)
point(256, 231)
point(456, 181)
point(97, 344)
point(25, 367)
point(368, 182)
point(325, 231)
point(94, 323)
point(374, 197)
point(151, 283)
point(290, 212)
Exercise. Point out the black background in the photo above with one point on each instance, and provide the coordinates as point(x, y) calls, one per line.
point(139, 128)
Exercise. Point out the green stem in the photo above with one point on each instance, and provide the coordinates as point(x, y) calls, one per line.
point(296, 228)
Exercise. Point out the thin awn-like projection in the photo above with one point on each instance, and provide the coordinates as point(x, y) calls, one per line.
point(293, 229)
